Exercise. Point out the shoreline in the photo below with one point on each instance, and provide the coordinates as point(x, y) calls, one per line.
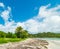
point(32, 43)
point(54, 44)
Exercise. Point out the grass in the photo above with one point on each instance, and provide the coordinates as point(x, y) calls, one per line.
point(6, 40)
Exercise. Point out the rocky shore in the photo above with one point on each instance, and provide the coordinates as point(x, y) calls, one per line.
point(27, 44)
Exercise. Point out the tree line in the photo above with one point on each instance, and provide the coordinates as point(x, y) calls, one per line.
point(45, 35)
point(21, 33)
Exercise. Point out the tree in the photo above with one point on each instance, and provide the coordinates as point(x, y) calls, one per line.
point(24, 34)
point(20, 33)
point(2, 34)
point(9, 35)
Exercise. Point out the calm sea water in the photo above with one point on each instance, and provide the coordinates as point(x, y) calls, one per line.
point(49, 38)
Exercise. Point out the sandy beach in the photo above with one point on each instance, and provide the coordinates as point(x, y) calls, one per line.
point(32, 43)
point(54, 44)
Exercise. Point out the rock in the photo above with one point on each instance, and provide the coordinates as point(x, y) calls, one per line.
point(28, 44)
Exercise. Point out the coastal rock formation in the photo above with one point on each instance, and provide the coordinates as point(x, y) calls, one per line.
point(27, 44)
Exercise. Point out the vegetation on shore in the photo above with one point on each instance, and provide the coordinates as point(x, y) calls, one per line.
point(6, 40)
point(45, 35)
point(21, 34)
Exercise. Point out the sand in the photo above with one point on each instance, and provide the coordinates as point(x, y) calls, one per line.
point(54, 44)
point(27, 44)
point(32, 43)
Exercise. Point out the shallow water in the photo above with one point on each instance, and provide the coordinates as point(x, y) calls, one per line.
point(49, 38)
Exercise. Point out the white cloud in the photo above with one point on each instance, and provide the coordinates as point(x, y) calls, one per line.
point(1, 5)
point(6, 14)
point(32, 25)
point(51, 21)
point(44, 12)
point(8, 26)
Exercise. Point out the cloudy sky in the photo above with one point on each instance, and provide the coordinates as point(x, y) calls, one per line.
point(33, 15)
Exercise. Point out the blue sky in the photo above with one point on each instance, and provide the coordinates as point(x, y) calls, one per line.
point(31, 14)
point(23, 10)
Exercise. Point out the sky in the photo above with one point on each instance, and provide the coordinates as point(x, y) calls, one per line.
point(33, 15)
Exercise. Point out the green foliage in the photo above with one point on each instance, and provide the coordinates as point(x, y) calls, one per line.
point(20, 33)
point(46, 35)
point(2, 34)
point(3, 40)
point(24, 34)
point(6, 40)
point(14, 36)
point(10, 35)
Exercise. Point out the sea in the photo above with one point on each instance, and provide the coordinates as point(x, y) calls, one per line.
point(49, 38)
point(54, 43)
